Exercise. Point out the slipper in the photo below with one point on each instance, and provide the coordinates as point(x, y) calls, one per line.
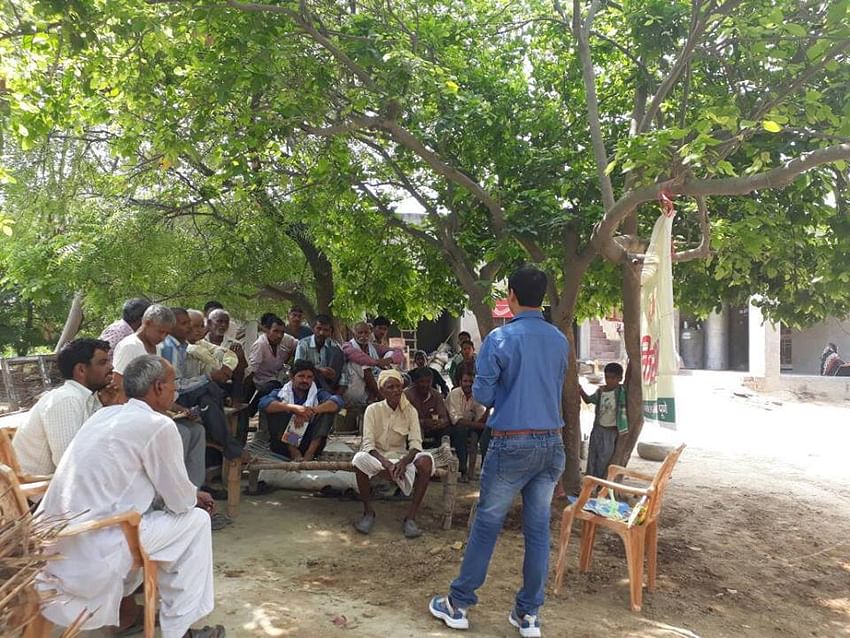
point(262, 488)
point(138, 625)
point(217, 494)
point(206, 632)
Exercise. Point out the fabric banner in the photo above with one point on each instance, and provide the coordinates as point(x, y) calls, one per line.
point(659, 357)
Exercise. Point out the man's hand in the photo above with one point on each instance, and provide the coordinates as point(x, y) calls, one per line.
point(328, 373)
point(302, 411)
point(399, 469)
point(111, 395)
point(206, 502)
point(236, 347)
point(388, 465)
point(221, 375)
point(385, 364)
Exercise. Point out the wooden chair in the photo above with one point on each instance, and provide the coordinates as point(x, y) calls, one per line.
point(14, 506)
point(640, 540)
point(32, 485)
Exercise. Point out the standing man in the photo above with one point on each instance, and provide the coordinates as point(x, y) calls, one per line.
point(131, 319)
point(326, 354)
point(520, 374)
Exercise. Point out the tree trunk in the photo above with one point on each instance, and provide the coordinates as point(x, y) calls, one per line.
point(72, 322)
point(483, 315)
point(631, 336)
point(320, 265)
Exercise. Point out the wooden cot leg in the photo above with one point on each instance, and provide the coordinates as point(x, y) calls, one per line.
point(473, 455)
point(253, 481)
point(234, 487)
point(450, 492)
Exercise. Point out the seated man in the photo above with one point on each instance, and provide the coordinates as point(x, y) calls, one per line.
point(300, 414)
point(202, 356)
point(438, 383)
point(128, 457)
point(392, 450)
point(466, 363)
point(364, 365)
point(59, 414)
point(218, 334)
point(156, 322)
point(295, 324)
point(466, 414)
point(131, 319)
point(433, 417)
point(202, 391)
point(272, 350)
point(326, 354)
point(380, 332)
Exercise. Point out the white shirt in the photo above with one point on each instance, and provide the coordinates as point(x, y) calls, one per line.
point(53, 422)
point(608, 409)
point(121, 459)
point(127, 349)
point(461, 407)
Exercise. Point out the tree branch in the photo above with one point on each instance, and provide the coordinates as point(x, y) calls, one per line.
point(777, 177)
point(289, 291)
point(703, 250)
point(597, 142)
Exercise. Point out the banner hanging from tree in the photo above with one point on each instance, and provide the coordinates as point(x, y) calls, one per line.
point(659, 357)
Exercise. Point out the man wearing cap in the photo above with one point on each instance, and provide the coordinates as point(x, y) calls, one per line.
point(392, 450)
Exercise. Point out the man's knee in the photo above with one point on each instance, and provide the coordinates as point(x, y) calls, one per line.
point(424, 465)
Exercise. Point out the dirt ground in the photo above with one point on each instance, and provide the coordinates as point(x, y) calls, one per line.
point(753, 542)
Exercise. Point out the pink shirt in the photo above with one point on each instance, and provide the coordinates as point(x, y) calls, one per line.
point(266, 363)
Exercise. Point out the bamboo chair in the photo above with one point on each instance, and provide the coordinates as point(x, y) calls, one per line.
point(640, 540)
point(14, 506)
point(32, 485)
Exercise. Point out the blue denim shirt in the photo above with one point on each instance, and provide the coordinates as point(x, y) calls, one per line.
point(520, 374)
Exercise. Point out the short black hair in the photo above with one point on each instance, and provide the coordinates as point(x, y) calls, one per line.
point(613, 368)
point(323, 318)
point(466, 342)
point(212, 304)
point(78, 351)
point(274, 320)
point(301, 365)
point(297, 308)
point(179, 311)
point(381, 320)
point(266, 319)
point(418, 373)
point(134, 309)
point(463, 332)
point(529, 286)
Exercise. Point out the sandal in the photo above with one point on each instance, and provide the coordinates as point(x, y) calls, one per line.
point(206, 632)
point(262, 488)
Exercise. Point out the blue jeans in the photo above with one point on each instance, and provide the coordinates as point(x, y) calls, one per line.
point(529, 465)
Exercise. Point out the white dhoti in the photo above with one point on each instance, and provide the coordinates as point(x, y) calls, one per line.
point(88, 577)
point(371, 466)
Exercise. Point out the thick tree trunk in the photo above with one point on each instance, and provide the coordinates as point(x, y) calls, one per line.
point(483, 316)
point(631, 335)
point(72, 322)
point(320, 265)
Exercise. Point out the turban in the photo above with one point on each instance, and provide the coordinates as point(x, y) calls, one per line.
point(386, 375)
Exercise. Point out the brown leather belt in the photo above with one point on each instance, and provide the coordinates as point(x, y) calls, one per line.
point(500, 433)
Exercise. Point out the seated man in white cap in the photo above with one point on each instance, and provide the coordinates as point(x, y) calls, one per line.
point(392, 450)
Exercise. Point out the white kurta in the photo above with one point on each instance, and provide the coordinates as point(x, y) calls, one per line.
point(124, 458)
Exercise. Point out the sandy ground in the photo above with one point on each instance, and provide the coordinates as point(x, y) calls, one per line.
point(753, 542)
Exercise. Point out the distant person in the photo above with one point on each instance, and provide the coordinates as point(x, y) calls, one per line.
point(830, 362)
point(219, 334)
point(295, 326)
point(57, 417)
point(521, 370)
point(464, 365)
point(157, 321)
point(433, 415)
point(131, 319)
point(466, 415)
point(381, 341)
point(270, 353)
point(439, 383)
point(610, 421)
point(326, 354)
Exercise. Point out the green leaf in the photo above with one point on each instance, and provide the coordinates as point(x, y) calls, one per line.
point(611, 165)
point(452, 86)
point(771, 126)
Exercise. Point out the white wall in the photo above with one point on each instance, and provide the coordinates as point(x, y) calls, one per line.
point(807, 345)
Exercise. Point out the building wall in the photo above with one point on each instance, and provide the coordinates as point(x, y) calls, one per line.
point(807, 344)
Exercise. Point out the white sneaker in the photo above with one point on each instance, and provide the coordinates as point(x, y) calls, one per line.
point(455, 618)
point(528, 625)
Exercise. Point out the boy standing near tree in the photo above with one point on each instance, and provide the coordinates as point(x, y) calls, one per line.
point(610, 422)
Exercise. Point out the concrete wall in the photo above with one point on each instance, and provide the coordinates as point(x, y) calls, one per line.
point(807, 345)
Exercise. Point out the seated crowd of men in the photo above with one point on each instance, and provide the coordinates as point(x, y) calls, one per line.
point(161, 375)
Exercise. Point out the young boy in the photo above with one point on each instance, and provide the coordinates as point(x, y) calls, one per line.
point(610, 421)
